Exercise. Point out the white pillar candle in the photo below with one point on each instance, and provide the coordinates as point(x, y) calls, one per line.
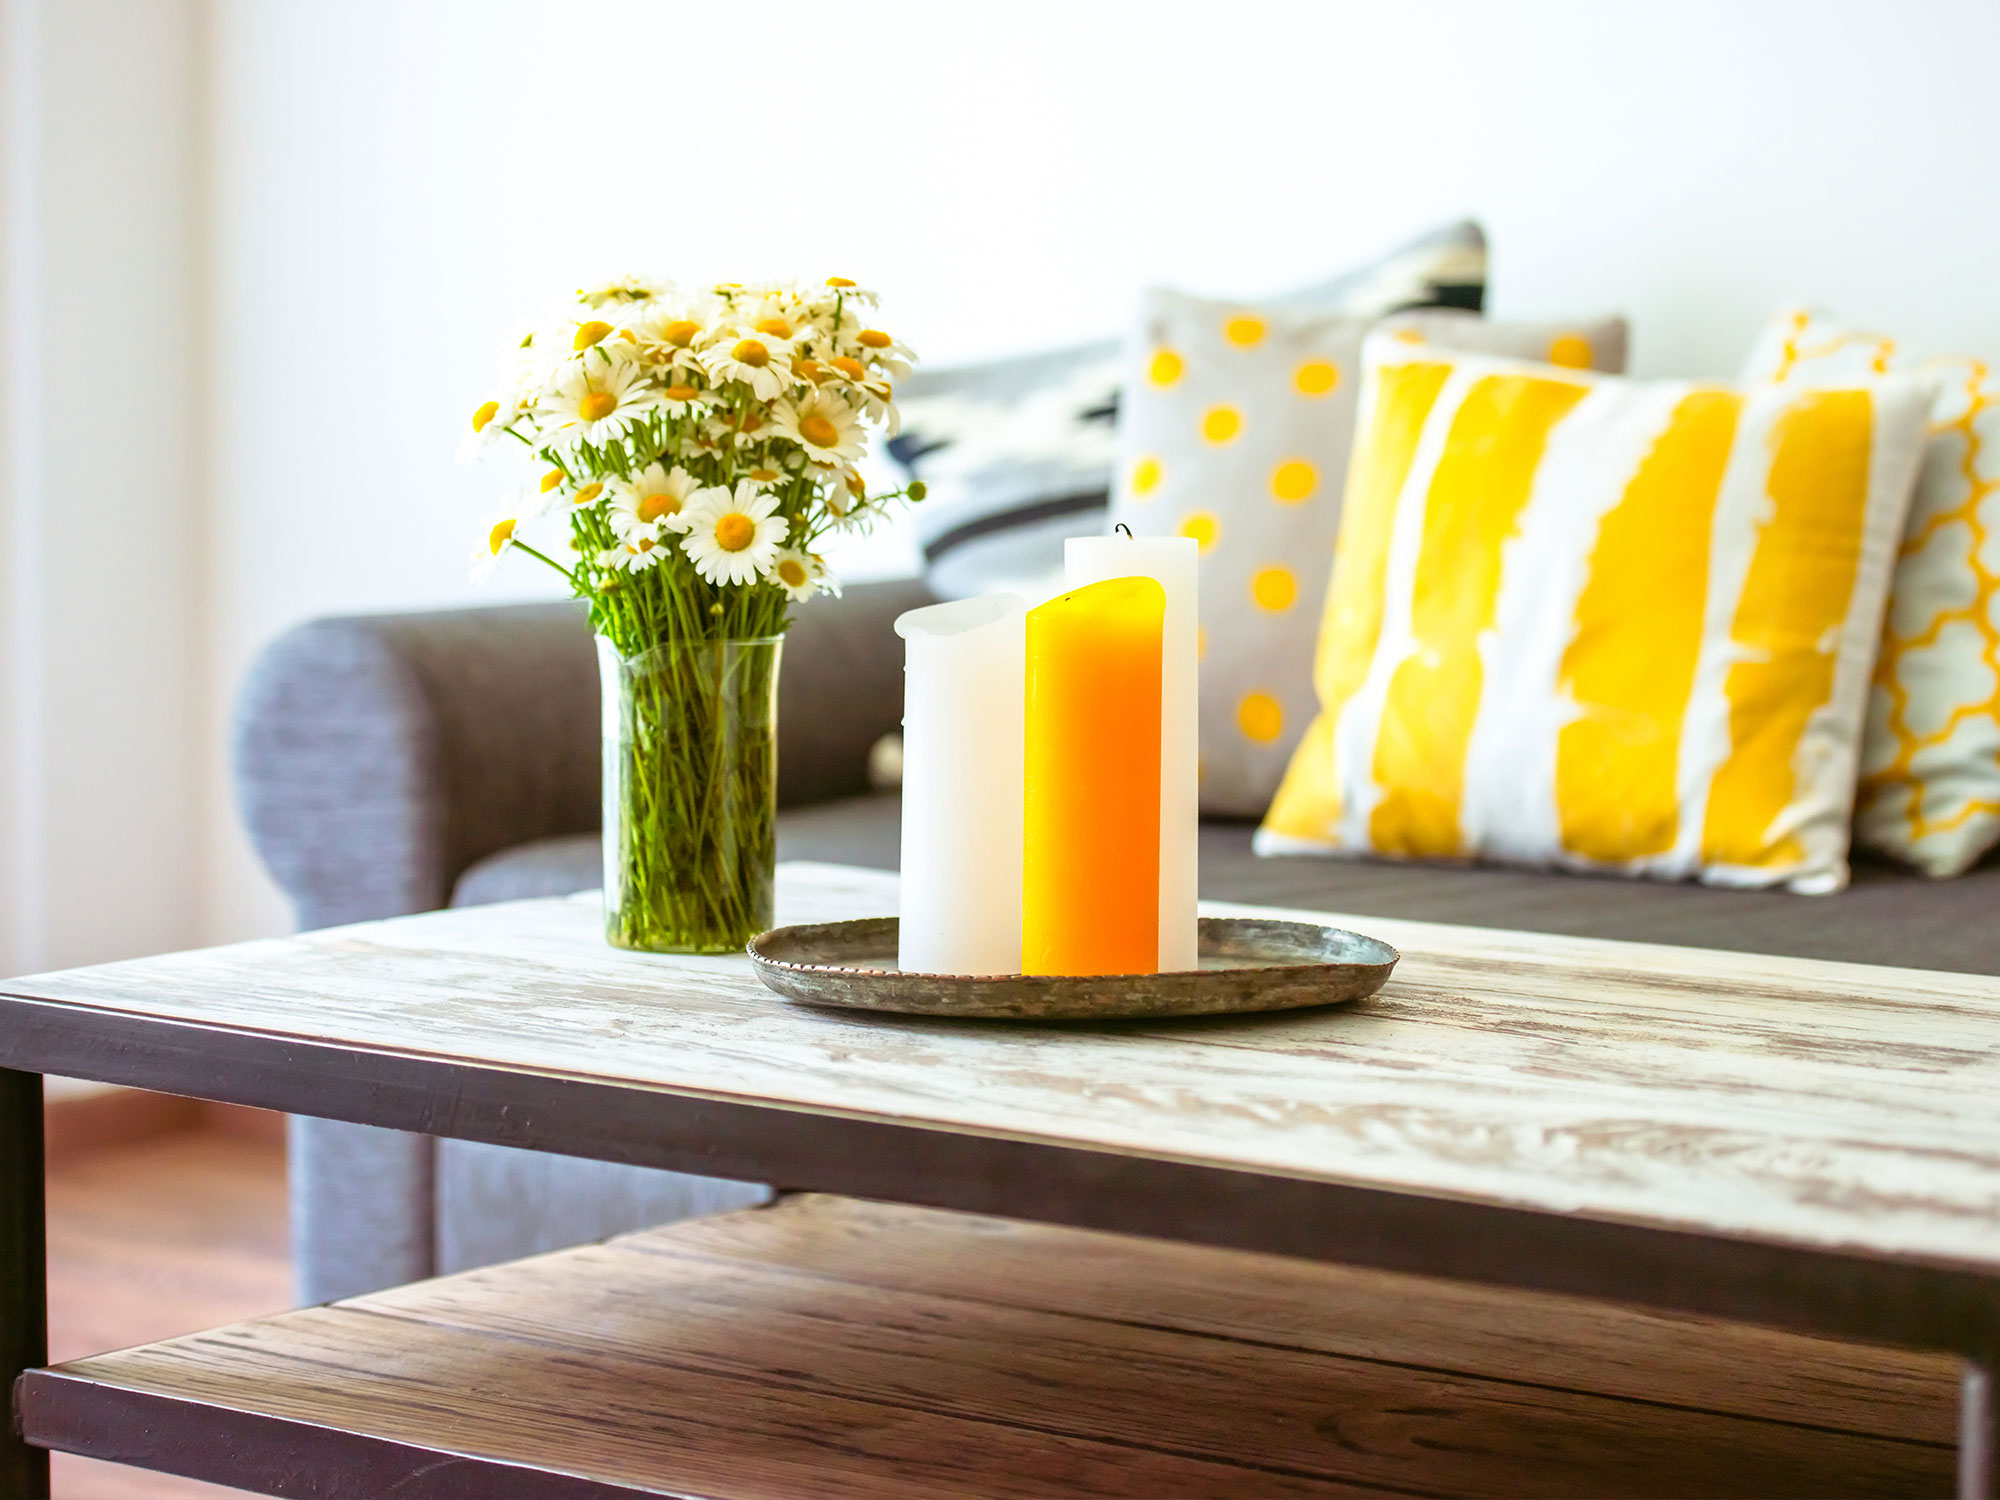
point(963, 692)
point(1172, 561)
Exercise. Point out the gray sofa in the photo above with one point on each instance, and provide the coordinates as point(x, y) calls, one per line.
point(395, 764)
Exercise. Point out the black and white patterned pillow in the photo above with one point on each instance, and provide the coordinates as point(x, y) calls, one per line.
point(1017, 453)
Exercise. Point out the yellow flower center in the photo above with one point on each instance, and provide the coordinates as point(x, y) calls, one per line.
point(851, 368)
point(596, 406)
point(681, 393)
point(484, 415)
point(856, 485)
point(750, 352)
point(500, 536)
point(819, 431)
point(793, 572)
point(764, 476)
point(735, 531)
point(593, 332)
point(589, 492)
point(551, 479)
point(778, 328)
point(642, 545)
point(838, 281)
point(806, 369)
point(680, 334)
point(652, 507)
point(750, 423)
point(875, 338)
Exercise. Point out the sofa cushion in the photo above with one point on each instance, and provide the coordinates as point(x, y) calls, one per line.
point(1234, 429)
point(1887, 916)
point(1930, 755)
point(851, 831)
point(1017, 452)
point(1619, 625)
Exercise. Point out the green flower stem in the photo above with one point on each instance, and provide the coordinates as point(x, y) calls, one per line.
point(690, 795)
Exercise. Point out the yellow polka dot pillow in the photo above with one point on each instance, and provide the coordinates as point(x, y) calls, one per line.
point(1602, 624)
point(1234, 430)
point(1930, 754)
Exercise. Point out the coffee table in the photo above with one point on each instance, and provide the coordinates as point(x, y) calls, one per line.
point(1806, 1146)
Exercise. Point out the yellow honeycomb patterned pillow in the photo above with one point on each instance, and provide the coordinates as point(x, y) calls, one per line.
point(1930, 755)
point(1234, 429)
point(1602, 624)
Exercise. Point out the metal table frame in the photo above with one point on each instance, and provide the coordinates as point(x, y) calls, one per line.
point(1830, 1293)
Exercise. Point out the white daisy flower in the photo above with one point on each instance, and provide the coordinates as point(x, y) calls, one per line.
point(490, 421)
point(869, 389)
point(745, 426)
point(635, 554)
point(878, 350)
point(765, 471)
point(652, 501)
point(824, 425)
point(839, 307)
point(808, 371)
point(680, 398)
point(674, 331)
point(774, 314)
point(596, 400)
point(761, 361)
point(733, 537)
point(623, 291)
point(828, 584)
point(877, 398)
point(795, 572)
point(847, 491)
point(495, 538)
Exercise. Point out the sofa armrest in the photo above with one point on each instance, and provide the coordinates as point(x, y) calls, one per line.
point(378, 757)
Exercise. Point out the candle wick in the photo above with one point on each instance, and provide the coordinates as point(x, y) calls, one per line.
point(1121, 526)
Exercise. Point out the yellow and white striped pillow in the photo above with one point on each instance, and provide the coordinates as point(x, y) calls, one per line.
point(1600, 623)
point(1930, 756)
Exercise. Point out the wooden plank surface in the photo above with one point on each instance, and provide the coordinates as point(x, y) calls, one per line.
point(767, 1354)
point(1523, 1337)
point(1786, 1102)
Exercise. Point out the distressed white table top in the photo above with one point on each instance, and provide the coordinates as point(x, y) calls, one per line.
point(1787, 1101)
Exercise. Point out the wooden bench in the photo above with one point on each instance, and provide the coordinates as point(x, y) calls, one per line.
point(828, 1347)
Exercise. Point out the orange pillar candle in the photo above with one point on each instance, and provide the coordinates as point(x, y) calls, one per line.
point(1091, 856)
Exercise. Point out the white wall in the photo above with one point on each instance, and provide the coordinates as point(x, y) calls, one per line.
point(100, 495)
point(395, 180)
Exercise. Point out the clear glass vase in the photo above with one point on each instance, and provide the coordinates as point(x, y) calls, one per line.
point(690, 794)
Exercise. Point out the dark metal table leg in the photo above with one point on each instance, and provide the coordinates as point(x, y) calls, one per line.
point(24, 1303)
point(1979, 1431)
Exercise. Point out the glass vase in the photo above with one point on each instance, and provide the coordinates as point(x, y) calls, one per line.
point(690, 794)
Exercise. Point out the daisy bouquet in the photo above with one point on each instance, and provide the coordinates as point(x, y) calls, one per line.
point(686, 451)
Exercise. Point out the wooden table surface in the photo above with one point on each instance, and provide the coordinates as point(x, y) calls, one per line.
point(1807, 1145)
point(1784, 1100)
point(1723, 1099)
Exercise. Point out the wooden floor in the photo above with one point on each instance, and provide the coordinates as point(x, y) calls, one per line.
point(147, 1240)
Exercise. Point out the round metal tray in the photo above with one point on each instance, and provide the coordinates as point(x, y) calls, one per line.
point(1247, 964)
